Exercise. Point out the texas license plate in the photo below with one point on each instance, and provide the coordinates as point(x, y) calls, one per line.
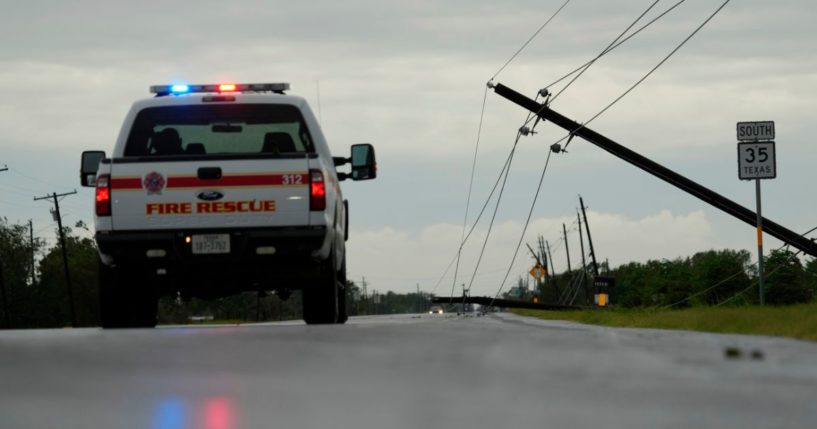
point(211, 244)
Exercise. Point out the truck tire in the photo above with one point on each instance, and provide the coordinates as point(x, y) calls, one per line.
point(343, 293)
point(126, 300)
point(320, 301)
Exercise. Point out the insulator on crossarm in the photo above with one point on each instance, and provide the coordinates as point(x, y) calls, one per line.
point(525, 131)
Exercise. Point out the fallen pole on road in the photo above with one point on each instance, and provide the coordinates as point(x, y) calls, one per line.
point(504, 303)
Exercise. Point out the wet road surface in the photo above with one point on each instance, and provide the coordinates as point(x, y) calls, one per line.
point(499, 371)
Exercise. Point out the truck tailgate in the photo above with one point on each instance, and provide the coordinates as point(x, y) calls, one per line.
point(210, 194)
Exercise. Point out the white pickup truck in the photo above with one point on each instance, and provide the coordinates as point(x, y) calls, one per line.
point(216, 189)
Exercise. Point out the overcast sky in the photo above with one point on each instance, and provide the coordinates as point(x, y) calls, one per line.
point(409, 77)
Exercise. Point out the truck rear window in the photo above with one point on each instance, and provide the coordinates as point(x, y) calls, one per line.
point(262, 129)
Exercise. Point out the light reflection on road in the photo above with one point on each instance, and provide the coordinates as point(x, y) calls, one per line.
point(209, 413)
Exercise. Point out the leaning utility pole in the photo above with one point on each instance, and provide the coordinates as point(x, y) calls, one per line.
point(550, 257)
point(584, 262)
point(589, 239)
point(567, 249)
point(543, 255)
point(54, 196)
point(543, 112)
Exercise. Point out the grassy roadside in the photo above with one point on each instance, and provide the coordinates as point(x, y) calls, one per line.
point(796, 321)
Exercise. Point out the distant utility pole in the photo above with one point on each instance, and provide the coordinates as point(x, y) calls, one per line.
point(417, 298)
point(550, 257)
point(58, 217)
point(3, 283)
point(584, 262)
point(31, 244)
point(589, 239)
point(365, 293)
point(544, 256)
point(3, 292)
point(567, 249)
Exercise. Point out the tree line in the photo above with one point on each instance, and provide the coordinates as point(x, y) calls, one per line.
point(33, 290)
point(713, 277)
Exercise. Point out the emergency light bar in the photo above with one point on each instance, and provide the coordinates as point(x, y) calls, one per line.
point(180, 88)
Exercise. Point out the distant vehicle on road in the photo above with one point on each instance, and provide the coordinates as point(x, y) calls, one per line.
point(436, 309)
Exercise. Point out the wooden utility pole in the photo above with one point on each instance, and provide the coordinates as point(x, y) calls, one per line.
point(58, 217)
point(589, 239)
point(31, 244)
point(3, 283)
point(5, 302)
point(567, 249)
point(584, 262)
point(545, 113)
point(543, 257)
point(550, 257)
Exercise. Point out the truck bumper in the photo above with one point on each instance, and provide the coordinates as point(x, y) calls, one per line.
point(169, 260)
point(172, 247)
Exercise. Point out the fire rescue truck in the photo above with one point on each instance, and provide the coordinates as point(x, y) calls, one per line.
point(211, 190)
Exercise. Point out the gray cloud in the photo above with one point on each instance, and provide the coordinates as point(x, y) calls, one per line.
point(408, 76)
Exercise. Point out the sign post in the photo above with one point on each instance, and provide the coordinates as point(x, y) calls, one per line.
point(757, 161)
point(603, 285)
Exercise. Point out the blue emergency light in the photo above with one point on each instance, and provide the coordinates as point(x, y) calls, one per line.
point(179, 88)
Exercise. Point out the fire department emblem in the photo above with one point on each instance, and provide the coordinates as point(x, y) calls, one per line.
point(154, 183)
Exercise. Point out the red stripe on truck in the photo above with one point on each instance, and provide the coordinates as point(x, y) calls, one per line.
point(295, 179)
point(126, 183)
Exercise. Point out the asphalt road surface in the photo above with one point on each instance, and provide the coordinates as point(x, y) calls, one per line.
point(404, 371)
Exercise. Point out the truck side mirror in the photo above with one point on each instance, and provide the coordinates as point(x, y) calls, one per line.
point(89, 166)
point(364, 165)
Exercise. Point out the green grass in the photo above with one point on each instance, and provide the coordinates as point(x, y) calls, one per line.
point(796, 321)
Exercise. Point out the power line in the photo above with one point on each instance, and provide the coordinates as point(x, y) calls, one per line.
point(657, 66)
point(496, 208)
point(751, 286)
point(728, 278)
point(605, 50)
point(524, 229)
point(474, 225)
point(470, 188)
point(570, 135)
point(530, 39)
point(522, 131)
point(623, 41)
point(36, 179)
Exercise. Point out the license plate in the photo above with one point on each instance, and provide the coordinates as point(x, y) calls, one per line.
point(211, 244)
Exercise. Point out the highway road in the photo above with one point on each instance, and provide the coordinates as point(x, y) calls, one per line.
point(405, 371)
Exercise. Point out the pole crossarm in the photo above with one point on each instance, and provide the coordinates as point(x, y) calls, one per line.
point(701, 192)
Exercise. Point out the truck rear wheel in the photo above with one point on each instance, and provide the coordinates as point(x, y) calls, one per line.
point(343, 293)
point(320, 301)
point(126, 299)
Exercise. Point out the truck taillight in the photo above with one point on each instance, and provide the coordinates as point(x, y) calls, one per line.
point(317, 191)
point(103, 195)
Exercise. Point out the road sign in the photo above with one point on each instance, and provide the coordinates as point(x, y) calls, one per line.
point(756, 160)
point(755, 131)
point(604, 283)
point(538, 271)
